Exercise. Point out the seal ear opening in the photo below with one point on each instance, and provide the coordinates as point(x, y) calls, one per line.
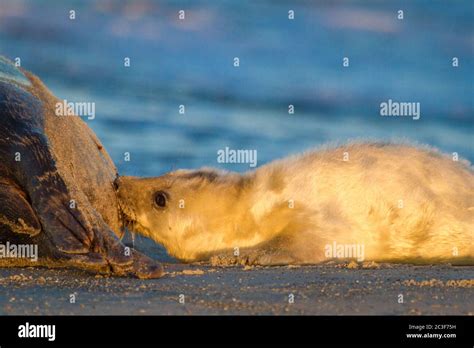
point(203, 174)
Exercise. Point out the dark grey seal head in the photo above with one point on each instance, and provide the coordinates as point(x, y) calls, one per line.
point(56, 185)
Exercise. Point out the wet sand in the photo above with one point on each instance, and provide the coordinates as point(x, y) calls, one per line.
point(330, 289)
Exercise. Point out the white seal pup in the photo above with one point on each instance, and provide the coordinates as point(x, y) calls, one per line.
point(369, 201)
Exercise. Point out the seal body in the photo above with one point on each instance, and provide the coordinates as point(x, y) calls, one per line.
point(369, 201)
point(56, 184)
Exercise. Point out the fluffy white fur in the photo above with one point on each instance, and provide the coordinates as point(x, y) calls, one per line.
point(403, 203)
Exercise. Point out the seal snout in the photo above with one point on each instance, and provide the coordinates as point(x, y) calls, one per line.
point(116, 183)
point(122, 184)
point(122, 187)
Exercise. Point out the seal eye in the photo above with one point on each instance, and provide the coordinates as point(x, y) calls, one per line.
point(160, 199)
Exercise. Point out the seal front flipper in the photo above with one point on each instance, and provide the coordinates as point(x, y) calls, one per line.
point(254, 257)
point(80, 230)
point(123, 260)
point(275, 252)
point(283, 249)
point(29, 158)
point(16, 213)
point(71, 223)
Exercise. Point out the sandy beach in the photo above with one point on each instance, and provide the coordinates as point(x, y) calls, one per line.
point(333, 289)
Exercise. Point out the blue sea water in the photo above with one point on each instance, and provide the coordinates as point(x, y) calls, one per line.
point(282, 62)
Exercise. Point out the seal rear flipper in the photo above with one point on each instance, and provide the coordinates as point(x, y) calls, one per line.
point(16, 213)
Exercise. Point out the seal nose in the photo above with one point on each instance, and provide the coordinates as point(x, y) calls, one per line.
point(125, 185)
point(116, 183)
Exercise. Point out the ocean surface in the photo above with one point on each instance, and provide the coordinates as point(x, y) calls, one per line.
point(190, 62)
